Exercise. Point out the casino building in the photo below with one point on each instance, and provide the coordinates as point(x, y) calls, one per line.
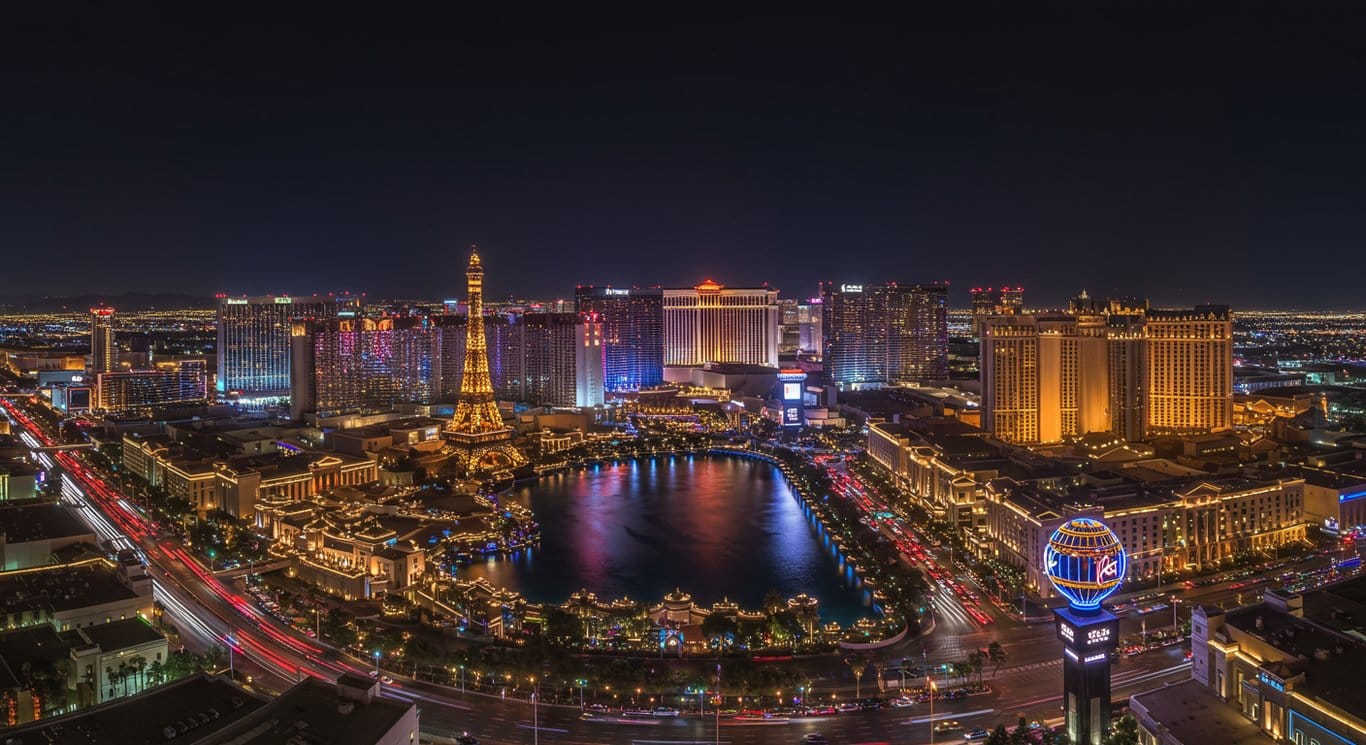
point(1194, 525)
point(1287, 668)
point(712, 323)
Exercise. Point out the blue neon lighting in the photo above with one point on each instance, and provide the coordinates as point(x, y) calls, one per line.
point(1353, 495)
point(1085, 562)
point(1314, 730)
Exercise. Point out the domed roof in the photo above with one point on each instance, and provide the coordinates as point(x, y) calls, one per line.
point(1085, 562)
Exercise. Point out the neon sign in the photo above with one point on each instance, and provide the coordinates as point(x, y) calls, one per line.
point(1094, 658)
point(1067, 632)
point(1085, 562)
point(1273, 682)
point(1096, 636)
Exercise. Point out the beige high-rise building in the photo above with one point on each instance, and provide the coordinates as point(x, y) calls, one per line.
point(1190, 369)
point(712, 323)
point(1114, 368)
point(102, 354)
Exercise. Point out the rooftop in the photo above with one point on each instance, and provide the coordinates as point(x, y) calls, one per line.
point(1194, 715)
point(212, 702)
point(382, 429)
point(59, 588)
point(122, 634)
point(32, 520)
point(32, 644)
point(1331, 661)
point(313, 712)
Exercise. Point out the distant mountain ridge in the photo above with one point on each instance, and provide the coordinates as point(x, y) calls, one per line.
point(127, 301)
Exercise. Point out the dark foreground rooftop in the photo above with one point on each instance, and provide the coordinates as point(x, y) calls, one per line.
point(211, 702)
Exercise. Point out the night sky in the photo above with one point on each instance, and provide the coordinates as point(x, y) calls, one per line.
point(1214, 157)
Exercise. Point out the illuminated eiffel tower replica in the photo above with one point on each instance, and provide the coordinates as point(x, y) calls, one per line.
point(478, 442)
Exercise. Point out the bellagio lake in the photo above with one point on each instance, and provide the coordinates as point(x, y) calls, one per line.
point(715, 526)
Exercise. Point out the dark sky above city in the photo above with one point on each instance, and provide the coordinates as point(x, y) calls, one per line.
point(1189, 152)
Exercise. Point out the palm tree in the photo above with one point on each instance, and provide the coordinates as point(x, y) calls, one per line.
point(961, 670)
point(997, 654)
point(156, 672)
point(975, 661)
point(57, 684)
point(110, 675)
point(858, 666)
point(773, 602)
point(123, 675)
point(136, 665)
point(879, 668)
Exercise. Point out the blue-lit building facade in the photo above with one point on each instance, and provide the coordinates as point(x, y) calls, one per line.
point(876, 335)
point(254, 343)
point(632, 334)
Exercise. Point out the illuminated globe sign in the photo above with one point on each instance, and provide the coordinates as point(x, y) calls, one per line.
point(1085, 562)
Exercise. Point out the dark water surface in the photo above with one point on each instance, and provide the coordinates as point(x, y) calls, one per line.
point(716, 526)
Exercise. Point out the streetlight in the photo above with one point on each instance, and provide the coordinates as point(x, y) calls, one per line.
point(535, 715)
point(462, 678)
point(930, 678)
point(377, 654)
point(232, 673)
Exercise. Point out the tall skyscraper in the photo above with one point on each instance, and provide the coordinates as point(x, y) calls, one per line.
point(589, 362)
point(479, 441)
point(854, 343)
point(254, 342)
point(881, 334)
point(712, 323)
point(789, 327)
point(362, 365)
point(632, 334)
point(102, 356)
point(809, 326)
point(564, 365)
point(504, 335)
point(1190, 368)
point(551, 355)
point(144, 389)
point(1113, 366)
point(997, 301)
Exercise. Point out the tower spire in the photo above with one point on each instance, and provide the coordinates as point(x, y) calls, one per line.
point(476, 430)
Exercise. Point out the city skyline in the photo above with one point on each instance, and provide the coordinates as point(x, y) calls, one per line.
point(1111, 151)
point(429, 373)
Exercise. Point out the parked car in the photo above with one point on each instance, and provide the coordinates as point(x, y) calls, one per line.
point(948, 725)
